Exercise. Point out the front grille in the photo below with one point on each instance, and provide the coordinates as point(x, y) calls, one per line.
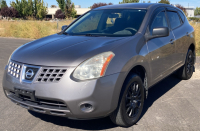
point(14, 69)
point(50, 75)
point(52, 104)
point(29, 73)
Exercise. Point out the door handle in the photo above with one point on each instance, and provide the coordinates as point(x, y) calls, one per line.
point(172, 41)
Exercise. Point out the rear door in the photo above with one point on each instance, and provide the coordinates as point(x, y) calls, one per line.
point(161, 49)
point(180, 33)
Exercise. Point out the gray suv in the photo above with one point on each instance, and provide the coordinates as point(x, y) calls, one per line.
point(103, 63)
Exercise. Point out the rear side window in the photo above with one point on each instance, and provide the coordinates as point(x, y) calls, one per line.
point(182, 16)
point(174, 19)
point(159, 21)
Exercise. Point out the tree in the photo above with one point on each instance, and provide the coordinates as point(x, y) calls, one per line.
point(0, 4)
point(5, 12)
point(3, 4)
point(9, 12)
point(41, 10)
point(32, 8)
point(147, 1)
point(73, 11)
point(62, 4)
point(182, 8)
point(24, 8)
point(13, 12)
point(59, 14)
point(197, 11)
point(70, 9)
point(129, 1)
point(17, 6)
point(164, 2)
point(35, 2)
point(95, 5)
point(53, 6)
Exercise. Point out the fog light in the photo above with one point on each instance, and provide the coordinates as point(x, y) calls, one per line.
point(86, 108)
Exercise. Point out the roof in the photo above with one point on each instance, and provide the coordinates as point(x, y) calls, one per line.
point(131, 6)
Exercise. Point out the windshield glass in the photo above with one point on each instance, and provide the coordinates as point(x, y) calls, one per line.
point(112, 22)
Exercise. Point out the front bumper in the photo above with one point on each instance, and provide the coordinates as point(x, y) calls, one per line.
point(66, 97)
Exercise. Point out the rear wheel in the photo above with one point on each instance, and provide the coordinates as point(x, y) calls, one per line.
point(187, 70)
point(131, 103)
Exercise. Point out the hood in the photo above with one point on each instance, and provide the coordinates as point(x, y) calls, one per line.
point(62, 50)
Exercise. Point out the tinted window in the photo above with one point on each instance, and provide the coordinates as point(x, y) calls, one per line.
point(159, 21)
point(174, 19)
point(182, 15)
point(111, 22)
point(90, 23)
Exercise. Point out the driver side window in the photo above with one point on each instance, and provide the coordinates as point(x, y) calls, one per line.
point(159, 21)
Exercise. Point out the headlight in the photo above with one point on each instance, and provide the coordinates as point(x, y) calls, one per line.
point(9, 59)
point(94, 67)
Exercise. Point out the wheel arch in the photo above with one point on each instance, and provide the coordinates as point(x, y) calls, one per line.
point(139, 70)
point(192, 47)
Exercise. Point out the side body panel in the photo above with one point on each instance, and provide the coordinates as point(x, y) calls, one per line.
point(161, 49)
point(161, 54)
point(183, 36)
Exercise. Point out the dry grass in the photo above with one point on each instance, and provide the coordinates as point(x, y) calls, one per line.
point(30, 29)
point(197, 36)
point(39, 29)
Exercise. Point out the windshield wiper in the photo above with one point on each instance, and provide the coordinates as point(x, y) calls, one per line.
point(93, 35)
point(65, 33)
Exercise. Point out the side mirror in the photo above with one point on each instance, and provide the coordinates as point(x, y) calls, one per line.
point(64, 27)
point(160, 32)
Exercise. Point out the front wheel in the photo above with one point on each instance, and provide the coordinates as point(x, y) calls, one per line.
point(187, 70)
point(131, 102)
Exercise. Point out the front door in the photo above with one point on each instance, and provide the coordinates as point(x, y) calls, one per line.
point(162, 49)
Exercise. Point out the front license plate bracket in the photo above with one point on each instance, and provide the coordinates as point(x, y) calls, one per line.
point(25, 93)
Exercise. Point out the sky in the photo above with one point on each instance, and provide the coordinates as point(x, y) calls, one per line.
point(88, 3)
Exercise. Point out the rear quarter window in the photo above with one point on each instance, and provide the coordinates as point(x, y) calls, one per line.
point(182, 16)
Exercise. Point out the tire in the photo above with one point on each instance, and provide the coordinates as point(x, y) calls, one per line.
point(131, 102)
point(186, 71)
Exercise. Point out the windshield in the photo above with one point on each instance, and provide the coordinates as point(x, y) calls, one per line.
point(112, 22)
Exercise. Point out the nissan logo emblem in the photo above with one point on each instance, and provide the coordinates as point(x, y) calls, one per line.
point(29, 73)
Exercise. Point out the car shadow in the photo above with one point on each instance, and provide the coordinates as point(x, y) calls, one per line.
point(158, 90)
point(104, 123)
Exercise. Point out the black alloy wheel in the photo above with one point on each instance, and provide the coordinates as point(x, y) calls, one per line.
point(190, 64)
point(186, 71)
point(133, 100)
